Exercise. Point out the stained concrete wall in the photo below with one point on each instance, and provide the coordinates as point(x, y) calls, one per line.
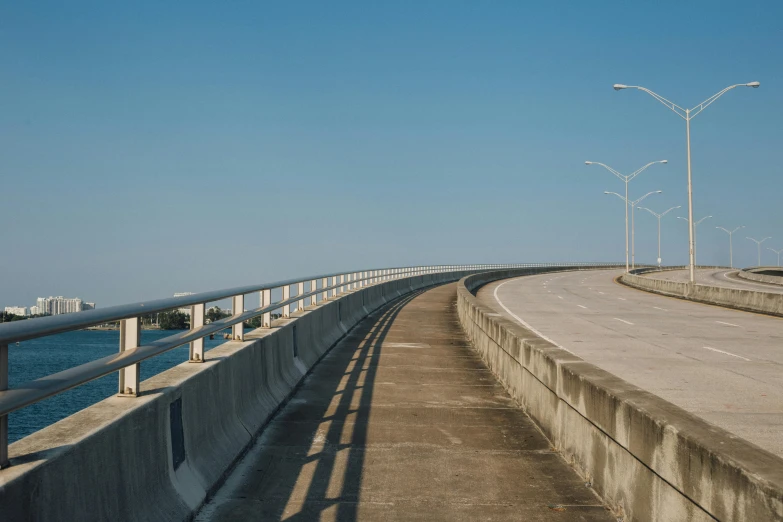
point(750, 274)
point(649, 459)
point(115, 459)
point(749, 300)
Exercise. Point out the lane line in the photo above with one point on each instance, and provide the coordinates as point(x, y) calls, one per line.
point(727, 353)
point(559, 297)
point(523, 323)
point(601, 293)
point(582, 306)
point(728, 324)
point(621, 298)
point(622, 320)
point(659, 308)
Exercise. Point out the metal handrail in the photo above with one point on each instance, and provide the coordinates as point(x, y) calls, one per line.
point(43, 326)
point(132, 353)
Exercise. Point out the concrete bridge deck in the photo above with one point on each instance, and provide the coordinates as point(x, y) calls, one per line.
point(403, 421)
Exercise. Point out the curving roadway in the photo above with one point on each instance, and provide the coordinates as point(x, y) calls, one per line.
point(724, 277)
point(723, 365)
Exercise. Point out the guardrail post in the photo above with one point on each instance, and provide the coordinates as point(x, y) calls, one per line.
point(266, 300)
point(196, 321)
point(324, 284)
point(300, 291)
point(130, 337)
point(342, 280)
point(286, 297)
point(314, 297)
point(238, 308)
point(3, 418)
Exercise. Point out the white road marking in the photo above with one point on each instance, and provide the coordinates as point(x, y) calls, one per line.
point(601, 293)
point(728, 324)
point(622, 320)
point(659, 308)
point(523, 323)
point(621, 298)
point(559, 297)
point(582, 306)
point(727, 353)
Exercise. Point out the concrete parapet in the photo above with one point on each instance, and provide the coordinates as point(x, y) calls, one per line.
point(753, 275)
point(740, 299)
point(158, 456)
point(649, 459)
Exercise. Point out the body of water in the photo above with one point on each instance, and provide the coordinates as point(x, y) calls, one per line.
point(41, 357)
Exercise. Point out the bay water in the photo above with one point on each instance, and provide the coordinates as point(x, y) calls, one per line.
point(38, 358)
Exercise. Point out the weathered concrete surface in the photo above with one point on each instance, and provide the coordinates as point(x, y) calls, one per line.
point(725, 277)
point(115, 460)
point(648, 458)
point(765, 302)
point(719, 364)
point(403, 421)
point(769, 275)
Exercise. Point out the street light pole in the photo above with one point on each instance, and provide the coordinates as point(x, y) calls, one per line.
point(731, 253)
point(632, 204)
point(625, 179)
point(659, 216)
point(688, 115)
point(692, 230)
point(777, 252)
point(758, 243)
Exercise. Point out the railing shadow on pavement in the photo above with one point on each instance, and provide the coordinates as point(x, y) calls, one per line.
point(341, 410)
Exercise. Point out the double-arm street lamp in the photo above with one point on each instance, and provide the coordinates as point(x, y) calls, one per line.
point(688, 115)
point(625, 179)
point(731, 253)
point(777, 252)
point(692, 229)
point(632, 204)
point(758, 244)
point(659, 216)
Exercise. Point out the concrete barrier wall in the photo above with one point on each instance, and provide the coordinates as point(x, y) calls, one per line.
point(750, 274)
point(650, 460)
point(157, 457)
point(749, 300)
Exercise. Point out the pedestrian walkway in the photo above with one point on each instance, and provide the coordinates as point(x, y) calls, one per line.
point(403, 421)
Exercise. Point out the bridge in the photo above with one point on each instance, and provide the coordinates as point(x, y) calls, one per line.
point(454, 392)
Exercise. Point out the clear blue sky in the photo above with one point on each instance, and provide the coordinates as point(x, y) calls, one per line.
point(154, 147)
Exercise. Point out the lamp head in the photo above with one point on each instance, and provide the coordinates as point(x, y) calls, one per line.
point(658, 191)
point(588, 162)
point(664, 161)
point(755, 85)
point(619, 86)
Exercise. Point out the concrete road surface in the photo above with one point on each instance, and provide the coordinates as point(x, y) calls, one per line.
point(723, 365)
point(722, 277)
point(403, 421)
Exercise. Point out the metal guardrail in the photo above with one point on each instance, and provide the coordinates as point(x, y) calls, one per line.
point(131, 352)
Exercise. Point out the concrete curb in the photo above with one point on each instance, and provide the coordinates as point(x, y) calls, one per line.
point(751, 275)
point(159, 456)
point(747, 300)
point(649, 459)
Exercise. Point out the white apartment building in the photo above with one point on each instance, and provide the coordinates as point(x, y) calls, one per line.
point(59, 305)
point(185, 310)
point(16, 310)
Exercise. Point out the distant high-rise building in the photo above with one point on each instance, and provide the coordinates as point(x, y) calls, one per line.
point(16, 310)
point(88, 306)
point(34, 310)
point(60, 305)
point(185, 310)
